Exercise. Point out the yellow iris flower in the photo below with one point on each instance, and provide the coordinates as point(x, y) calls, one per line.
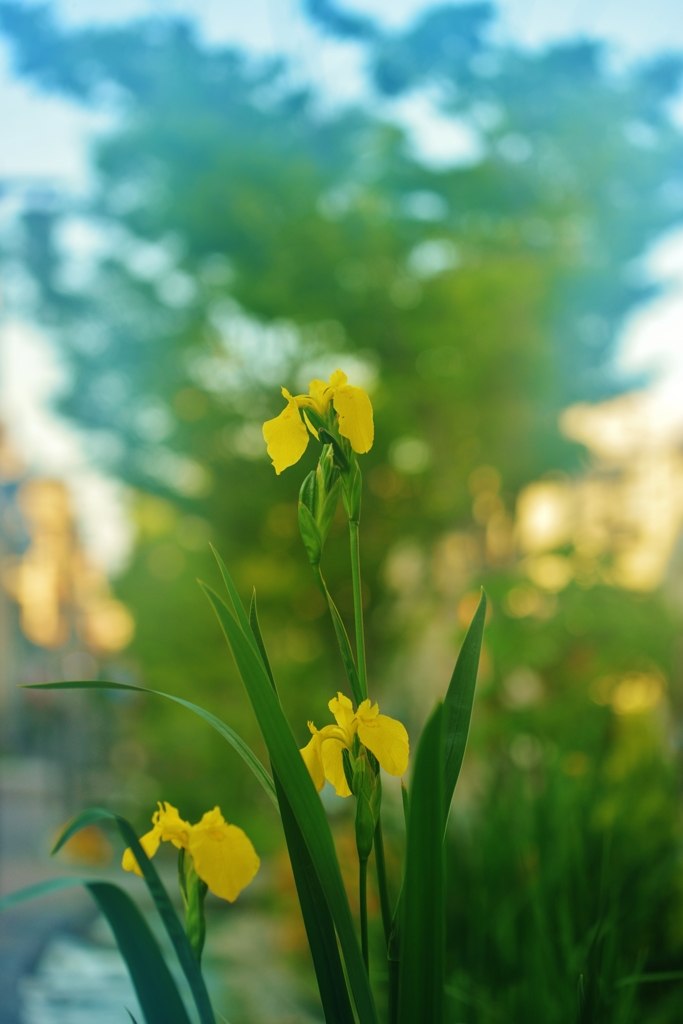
point(222, 854)
point(286, 436)
point(384, 736)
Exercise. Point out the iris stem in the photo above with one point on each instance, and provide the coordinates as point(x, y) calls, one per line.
point(384, 901)
point(358, 607)
point(363, 893)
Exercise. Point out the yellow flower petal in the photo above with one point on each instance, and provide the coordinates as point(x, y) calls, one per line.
point(312, 758)
point(149, 843)
point(223, 855)
point(342, 709)
point(338, 379)
point(333, 763)
point(286, 436)
point(321, 394)
point(171, 826)
point(387, 739)
point(168, 826)
point(354, 409)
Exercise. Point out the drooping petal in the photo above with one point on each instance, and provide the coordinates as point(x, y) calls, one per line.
point(388, 740)
point(223, 855)
point(311, 754)
point(342, 709)
point(286, 436)
point(149, 843)
point(354, 409)
point(333, 763)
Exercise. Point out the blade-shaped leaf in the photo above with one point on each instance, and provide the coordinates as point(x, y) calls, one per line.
point(154, 985)
point(423, 928)
point(305, 803)
point(342, 640)
point(166, 910)
point(235, 741)
point(459, 700)
point(318, 923)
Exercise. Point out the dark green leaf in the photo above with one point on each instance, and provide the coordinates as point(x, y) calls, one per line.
point(166, 910)
point(154, 984)
point(423, 928)
point(459, 700)
point(644, 979)
point(318, 922)
point(305, 803)
point(235, 741)
point(342, 640)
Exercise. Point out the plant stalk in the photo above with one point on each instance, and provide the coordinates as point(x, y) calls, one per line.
point(358, 607)
point(363, 894)
point(380, 862)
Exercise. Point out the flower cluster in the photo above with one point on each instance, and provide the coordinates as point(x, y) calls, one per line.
point(287, 435)
point(222, 854)
point(385, 737)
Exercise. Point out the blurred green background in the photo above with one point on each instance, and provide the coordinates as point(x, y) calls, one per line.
point(241, 233)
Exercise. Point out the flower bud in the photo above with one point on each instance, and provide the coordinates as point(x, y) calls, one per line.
point(318, 499)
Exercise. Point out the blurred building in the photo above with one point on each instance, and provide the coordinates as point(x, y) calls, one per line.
point(619, 522)
point(58, 620)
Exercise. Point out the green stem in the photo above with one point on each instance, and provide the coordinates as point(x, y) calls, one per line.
point(363, 892)
point(384, 901)
point(358, 607)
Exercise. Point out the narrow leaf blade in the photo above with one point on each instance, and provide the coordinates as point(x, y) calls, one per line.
point(343, 641)
point(423, 927)
point(318, 922)
point(305, 803)
point(459, 700)
point(165, 908)
point(235, 741)
point(154, 985)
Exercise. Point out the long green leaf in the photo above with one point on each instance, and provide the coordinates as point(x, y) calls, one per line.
point(166, 910)
point(343, 641)
point(154, 985)
point(459, 700)
point(235, 741)
point(318, 922)
point(322, 940)
point(305, 803)
point(423, 931)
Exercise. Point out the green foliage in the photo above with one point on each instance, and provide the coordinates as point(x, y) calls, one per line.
point(154, 984)
point(423, 924)
point(174, 929)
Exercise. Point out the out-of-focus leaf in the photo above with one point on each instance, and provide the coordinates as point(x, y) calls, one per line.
point(166, 910)
point(154, 985)
point(305, 803)
point(235, 741)
point(423, 926)
point(459, 700)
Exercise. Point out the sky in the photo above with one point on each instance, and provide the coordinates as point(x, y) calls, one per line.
point(47, 138)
